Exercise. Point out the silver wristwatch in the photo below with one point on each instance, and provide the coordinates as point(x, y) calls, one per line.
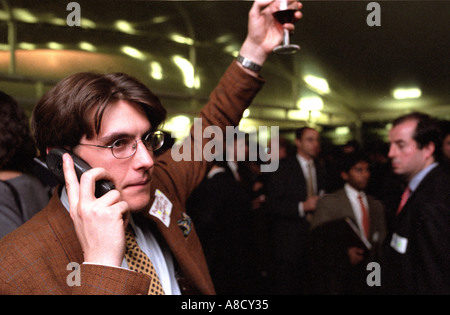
point(247, 63)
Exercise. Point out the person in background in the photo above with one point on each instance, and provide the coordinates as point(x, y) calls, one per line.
point(292, 194)
point(22, 195)
point(416, 255)
point(338, 259)
point(221, 209)
point(446, 141)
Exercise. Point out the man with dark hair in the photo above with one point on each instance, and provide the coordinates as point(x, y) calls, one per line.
point(136, 238)
point(292, 194)
point(338, 259)
point(22, 195)
point(417, 251)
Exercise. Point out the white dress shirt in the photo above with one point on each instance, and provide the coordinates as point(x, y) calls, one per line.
point(352, 195)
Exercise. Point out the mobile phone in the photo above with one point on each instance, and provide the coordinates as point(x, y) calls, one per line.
point(55, 165)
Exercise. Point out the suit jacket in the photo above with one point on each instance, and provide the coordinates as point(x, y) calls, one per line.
point(336, 206)
point(286, 188)
point(34, 258)
point(417, 251)
point(221, 208)
point(330, 269)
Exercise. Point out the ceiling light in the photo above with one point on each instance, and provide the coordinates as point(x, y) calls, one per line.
point(298, 114)
point(181, 121)
point(317, 83)
point(313, 103)
point(24, 15)
point(246, 113)
point(182, 39)
point(156, 71)
point(26, 46)
point(232, 50)
point(223, 39)
point(132, 52)
point(58, 21)
point(87, 46)
point(405, 93)
point(187, 69)
point(125, 27)
point(315, 113)
point(86, 23)
point(178, 126)
point(342, 131)
point(159, 19)
point(55, 45)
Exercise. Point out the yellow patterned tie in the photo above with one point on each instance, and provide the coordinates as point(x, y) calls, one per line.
point(138, 261)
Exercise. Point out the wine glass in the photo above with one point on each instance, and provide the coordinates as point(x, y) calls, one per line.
point(285, 15)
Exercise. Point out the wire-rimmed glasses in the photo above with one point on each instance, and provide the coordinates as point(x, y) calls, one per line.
point(124, 148)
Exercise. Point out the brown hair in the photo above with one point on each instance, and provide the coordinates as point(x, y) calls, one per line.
point(63, 115)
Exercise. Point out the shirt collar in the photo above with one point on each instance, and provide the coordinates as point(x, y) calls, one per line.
point(352, 192)
point(304, 161)
point(415, 181)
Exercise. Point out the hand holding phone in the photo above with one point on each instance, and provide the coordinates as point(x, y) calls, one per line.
point(99, 222)
point(55, 165)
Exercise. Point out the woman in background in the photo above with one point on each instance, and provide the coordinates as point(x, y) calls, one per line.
point(21, 194)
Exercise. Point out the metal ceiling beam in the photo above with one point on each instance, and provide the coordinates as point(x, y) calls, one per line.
point(12, 37)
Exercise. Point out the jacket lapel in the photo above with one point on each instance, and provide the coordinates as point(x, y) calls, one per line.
point(62, 226)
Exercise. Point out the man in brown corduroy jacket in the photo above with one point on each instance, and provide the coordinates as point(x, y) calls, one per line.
point(111, 122)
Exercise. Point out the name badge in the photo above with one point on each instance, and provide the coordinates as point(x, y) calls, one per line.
point(161, 208)
point(399, 243)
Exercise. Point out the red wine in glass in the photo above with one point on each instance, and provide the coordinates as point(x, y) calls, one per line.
point(286, 16)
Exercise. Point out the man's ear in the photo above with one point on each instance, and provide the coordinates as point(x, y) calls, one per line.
point(429, 149)
point(344, 176)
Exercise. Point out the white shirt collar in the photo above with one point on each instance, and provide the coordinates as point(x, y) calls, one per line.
point(352, 192)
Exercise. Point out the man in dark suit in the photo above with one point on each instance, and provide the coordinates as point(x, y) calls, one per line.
point(417, 251)
point(221, 209)
point(338, 259)
point(291, 200)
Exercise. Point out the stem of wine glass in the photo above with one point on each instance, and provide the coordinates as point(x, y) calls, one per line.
point(286, 40)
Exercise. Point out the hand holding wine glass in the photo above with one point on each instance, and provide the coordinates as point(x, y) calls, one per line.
point(286, 14)
point(264, 32)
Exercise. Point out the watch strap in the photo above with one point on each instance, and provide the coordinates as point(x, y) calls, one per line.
point(248, 64)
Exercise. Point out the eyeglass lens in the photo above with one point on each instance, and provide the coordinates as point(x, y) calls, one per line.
point(124, 148)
